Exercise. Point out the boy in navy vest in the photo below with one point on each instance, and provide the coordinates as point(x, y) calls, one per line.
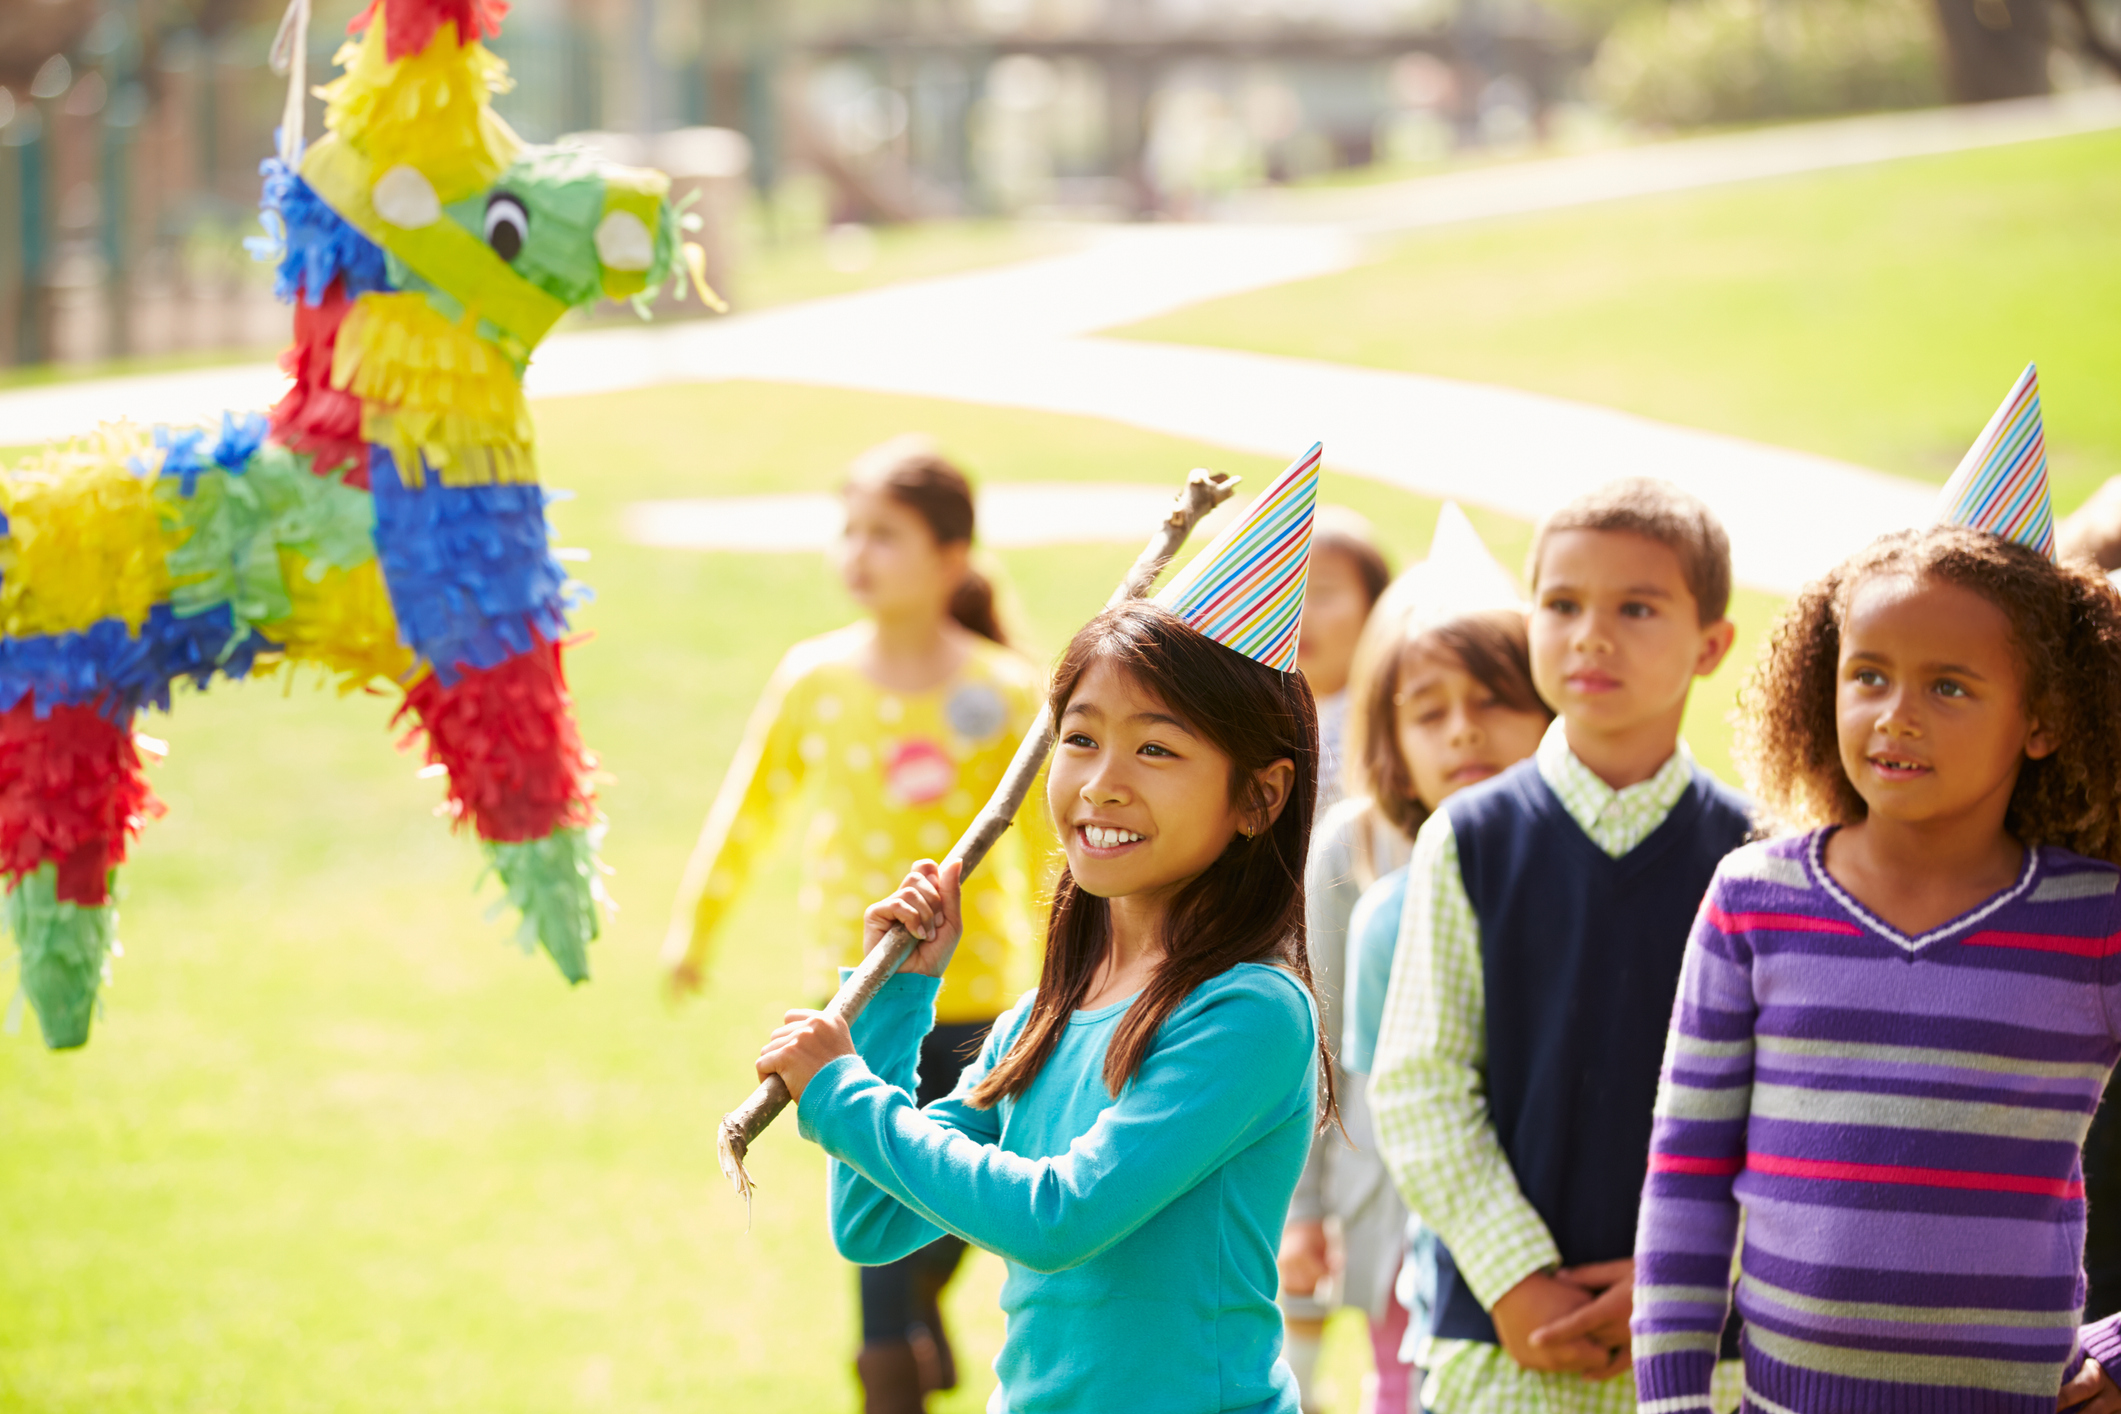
point(1547, 912)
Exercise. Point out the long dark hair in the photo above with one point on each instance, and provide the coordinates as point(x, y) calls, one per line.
point(1248, 906)
point(911, 472)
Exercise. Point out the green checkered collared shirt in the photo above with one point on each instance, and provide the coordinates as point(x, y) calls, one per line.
point(1428, 1095)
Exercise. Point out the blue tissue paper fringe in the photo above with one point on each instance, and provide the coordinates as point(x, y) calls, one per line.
point(470, 568)
point(313, 243)
point(241, 436)
point(107, 660)
point(185, 454)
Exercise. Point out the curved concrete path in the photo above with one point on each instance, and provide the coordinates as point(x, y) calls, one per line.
point(1019, 336)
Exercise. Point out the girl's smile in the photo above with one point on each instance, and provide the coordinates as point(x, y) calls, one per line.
point(1107, 841)
point(1897, 768)
point(1932, 718)
point(1142, 800)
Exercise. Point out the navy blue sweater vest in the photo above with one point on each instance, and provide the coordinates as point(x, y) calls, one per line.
point(1581, 954)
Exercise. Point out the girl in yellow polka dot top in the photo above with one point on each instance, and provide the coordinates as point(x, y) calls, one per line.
point(889, 735)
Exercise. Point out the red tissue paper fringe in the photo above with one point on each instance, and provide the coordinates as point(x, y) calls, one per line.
point(506, 735)
point(72, 793)
point(414, 22)
point(314, 417)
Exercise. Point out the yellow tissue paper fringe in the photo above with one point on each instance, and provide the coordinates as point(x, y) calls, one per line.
point(431, 110)
point(429, 386)
point(343, 621)
point(85, 537)
point(460, 451)
point(696, 266)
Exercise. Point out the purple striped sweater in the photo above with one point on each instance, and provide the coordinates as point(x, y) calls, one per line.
point(1899, 1120)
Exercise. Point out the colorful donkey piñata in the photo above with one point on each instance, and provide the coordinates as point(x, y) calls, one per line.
point(384, 521)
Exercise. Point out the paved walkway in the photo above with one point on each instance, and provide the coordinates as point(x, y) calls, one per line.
point(1019, 336)
point(1012, 514)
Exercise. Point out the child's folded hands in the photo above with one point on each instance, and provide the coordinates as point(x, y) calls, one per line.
point(1576, 1319)
point(1541, 1324)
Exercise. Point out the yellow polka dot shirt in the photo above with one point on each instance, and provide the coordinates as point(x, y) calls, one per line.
point(883, 778)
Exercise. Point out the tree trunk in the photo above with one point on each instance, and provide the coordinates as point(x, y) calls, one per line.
point(2091, 38)
point(1995, 48)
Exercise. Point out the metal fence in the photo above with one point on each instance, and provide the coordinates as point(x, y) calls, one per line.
point(129, 172)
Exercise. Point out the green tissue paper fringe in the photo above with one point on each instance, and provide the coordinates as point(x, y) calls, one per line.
point(62, 949)
point(557, 885)
point(236, 525)
point(562, 191)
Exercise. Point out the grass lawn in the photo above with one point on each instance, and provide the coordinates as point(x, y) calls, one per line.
point(1877, 314)
point(335, 1147)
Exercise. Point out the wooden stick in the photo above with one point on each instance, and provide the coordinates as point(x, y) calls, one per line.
point(1204, 491)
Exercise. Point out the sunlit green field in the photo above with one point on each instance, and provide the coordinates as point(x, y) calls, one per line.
point(1877, 313)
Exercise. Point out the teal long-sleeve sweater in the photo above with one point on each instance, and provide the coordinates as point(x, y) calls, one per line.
point(1139, 1232)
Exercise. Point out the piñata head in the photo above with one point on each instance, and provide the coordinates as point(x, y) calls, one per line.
point(384, 522)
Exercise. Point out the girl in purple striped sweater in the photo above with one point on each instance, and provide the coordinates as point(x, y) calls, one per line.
point(1893, 1029)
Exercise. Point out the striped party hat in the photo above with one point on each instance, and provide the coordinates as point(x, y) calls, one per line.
point(2001, 486)
point(1246, 591)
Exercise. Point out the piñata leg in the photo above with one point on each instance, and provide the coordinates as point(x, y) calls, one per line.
point(480, 597)
point(72, 794)
point(519, 774)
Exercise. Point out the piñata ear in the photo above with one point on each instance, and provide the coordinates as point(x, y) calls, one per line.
point(2001, 484)
point(1246, 591)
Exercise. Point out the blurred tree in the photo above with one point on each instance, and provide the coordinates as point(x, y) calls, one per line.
point(1995, 48)
point(1709, 56)
point(2092, 35)
point(32, 33)
point(1736, 61)
point(1596, 18)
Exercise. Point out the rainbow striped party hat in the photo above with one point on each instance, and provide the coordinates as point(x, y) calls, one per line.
point(2001, 486)
point(1246, 591)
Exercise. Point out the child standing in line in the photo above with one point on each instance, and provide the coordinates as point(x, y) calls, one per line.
point(893, 732)
point(1440, 698)
point(1130, 1134)
point(1348, 573)
point(1545, 919)
point(1893, 1028)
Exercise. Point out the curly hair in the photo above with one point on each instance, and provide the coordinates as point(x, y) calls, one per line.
point(2066, 630)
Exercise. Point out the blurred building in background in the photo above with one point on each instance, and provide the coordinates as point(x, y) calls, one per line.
point(131, 130)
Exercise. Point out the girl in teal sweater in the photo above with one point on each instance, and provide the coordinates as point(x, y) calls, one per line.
point(1130, 1134)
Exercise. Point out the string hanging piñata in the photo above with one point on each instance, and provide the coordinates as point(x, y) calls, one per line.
point(384, 521)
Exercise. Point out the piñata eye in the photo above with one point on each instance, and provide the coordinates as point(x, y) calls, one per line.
point(507, 225)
